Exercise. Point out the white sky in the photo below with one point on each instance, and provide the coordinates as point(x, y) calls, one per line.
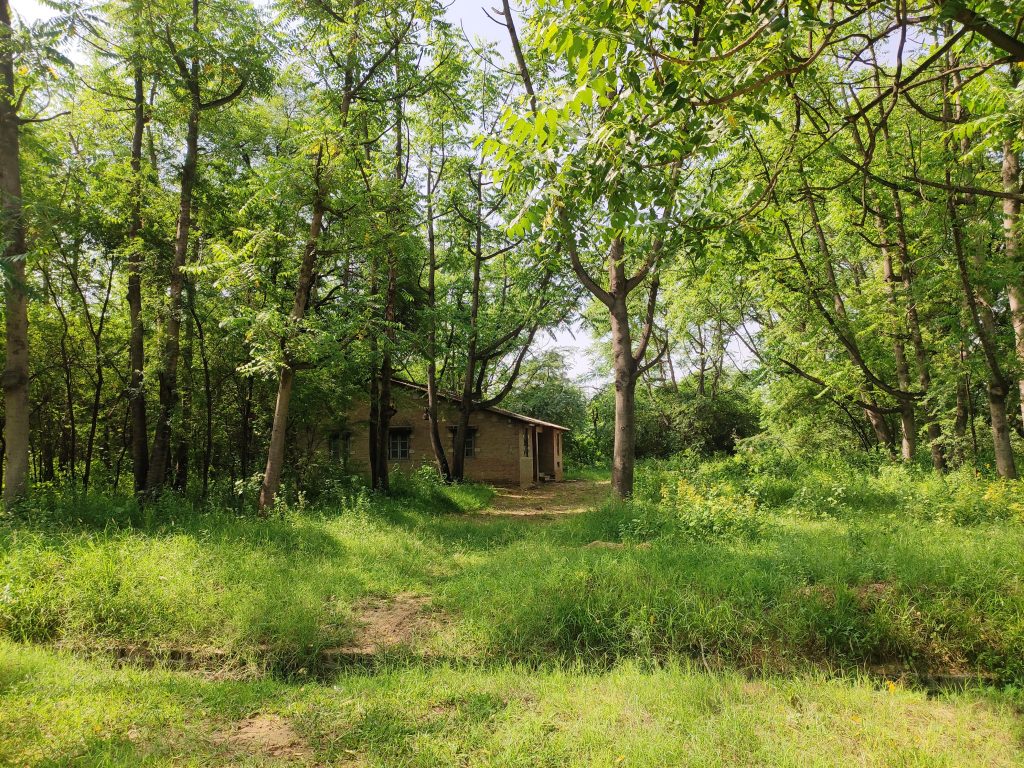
point(30, 10)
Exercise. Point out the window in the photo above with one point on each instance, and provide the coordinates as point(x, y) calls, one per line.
point(398, 444)
point(526, 442)
point(470, 448)
point(340, 446)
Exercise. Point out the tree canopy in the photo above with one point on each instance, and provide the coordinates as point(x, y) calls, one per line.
point(226, 221)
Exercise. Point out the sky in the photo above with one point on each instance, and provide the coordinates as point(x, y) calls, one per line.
point(469, 14)
point(30, 10)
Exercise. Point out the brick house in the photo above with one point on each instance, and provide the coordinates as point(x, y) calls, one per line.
point(503, 448)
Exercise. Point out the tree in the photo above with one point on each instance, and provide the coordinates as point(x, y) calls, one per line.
point(617, 127)
point(30, 63)
point(207, 77)
point(15, 378)
point(545, 391)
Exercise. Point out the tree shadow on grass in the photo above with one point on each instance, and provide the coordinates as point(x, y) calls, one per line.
point(273, 593)
point(815, 595)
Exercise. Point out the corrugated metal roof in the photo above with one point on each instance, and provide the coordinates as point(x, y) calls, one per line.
point(491, 408)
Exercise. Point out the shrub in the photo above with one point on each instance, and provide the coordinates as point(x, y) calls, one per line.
point(961, 498)
point(719, 514)
point(668, 503)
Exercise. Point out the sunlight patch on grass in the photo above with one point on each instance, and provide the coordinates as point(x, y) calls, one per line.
point(55, 709)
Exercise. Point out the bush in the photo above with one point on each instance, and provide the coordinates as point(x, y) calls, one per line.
point(720, 516)
point(834, 486)
point(677, 498)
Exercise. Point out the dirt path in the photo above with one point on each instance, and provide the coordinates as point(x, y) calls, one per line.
point(406, 619)
point(387, 623)
point(549, 500)
point(269, 735)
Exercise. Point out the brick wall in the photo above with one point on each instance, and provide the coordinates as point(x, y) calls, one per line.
point(498, 456)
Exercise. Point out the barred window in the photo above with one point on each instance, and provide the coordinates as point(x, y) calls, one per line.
point(469, 450)
point(398, 444)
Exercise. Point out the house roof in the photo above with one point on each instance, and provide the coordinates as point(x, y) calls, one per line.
point(491, 408)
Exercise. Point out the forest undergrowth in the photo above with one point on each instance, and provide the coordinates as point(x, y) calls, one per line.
point(751, 586)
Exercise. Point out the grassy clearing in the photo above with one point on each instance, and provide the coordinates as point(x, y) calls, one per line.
point(252, 591)
point(59, 710)
point(594, 473)
point(767, 567)
point(939, 600)
point(726, 617)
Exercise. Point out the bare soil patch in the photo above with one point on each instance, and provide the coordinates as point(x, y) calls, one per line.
point(268, 735)
point(382, 624)
point(549, 500)
point(385, 623)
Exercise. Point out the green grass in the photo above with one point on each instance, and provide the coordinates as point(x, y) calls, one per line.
point(828, 595)
point(61, 711)
point(271, 592)
point(588, 473)
point(745, 613)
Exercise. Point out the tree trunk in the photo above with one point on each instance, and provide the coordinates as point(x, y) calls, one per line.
point(125, 441)
point(160, 456)
point(627, 365)
point(883, 434)
point(1011, 222)
point(90, 440)
point(436, 444)
point(907, 422)
point(47, 452)
point(96, 331)
point(960, 417)
point(68, 457)
point(459, 439)
point(373, 434)
point(469, 377)
point(624, 367)
point(380, 477)
point(245, 427)
point(16, 365)
point(1005, 464)
point(182, 453)
point(921, 357)
point(382, 480)
point(208, 400)
point(984, 326)
point(275, 453)
point(136, 349)
point(979, 306)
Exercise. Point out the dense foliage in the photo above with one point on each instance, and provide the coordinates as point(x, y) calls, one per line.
point(799, 220)
point(793, 231)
